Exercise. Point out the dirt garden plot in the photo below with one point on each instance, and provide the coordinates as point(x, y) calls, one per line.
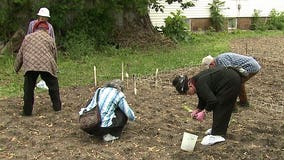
point(254, 133)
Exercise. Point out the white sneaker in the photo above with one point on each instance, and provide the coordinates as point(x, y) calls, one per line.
point(109, 137)
point(211, 139)
point(208, 131)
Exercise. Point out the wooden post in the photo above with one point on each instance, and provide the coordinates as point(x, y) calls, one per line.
point(134, 81)
point(127, 76)
point(122, 76)
point(246, 48)
point(95, 76)
point(156, 78)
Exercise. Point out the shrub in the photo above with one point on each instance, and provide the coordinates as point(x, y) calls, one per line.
point(176, 27)
point(79, 44)
point(257, 22)
point(276, 20)
point(217, 18)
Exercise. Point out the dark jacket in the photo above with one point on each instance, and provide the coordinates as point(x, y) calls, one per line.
point(213, 86)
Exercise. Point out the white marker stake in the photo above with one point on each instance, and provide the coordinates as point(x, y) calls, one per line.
point(122, 77)
point(135, 90)
point(156, 81)
point(95, 75)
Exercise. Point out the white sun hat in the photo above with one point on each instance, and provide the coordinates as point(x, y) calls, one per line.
point(206, 61)
point(44, 12)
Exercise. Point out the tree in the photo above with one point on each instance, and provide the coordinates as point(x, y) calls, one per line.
point(125, 23)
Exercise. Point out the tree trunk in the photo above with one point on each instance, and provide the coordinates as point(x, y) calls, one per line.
point(14, 44)
point(133, 30)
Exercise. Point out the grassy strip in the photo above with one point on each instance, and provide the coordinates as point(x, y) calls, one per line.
point(139, 62)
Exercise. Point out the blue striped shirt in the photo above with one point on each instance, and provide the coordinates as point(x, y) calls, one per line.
point(109, 99)
point(237, 60)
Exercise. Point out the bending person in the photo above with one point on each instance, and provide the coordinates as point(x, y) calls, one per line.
point(249, 64)
point(217, 90)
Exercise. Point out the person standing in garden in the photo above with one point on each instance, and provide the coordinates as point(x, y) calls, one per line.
point(249, 64)
point(38, 56)
point(217, 90)
point(43, 15)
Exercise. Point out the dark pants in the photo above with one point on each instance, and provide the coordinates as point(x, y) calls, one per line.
point(29, 85)
point(243, 96)
point(226, 99)
point(115, 129)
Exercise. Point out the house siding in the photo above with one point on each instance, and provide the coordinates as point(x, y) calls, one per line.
point(199, 15)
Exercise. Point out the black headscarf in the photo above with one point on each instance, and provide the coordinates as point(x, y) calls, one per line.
point(181, 84)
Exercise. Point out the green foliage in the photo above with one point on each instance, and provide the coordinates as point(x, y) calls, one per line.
point(217, 19)
point(12, 13)
point(276, 20)
point(95, 18)
point(79, 45)
point(257, 22)
point(183, 4)
point(11, 84)
point(176, 27)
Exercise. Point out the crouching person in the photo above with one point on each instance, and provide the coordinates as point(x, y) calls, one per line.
point(114, 110)
point(217, 90)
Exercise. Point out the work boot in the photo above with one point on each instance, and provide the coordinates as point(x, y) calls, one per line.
point(243, 104)
point(235, 109)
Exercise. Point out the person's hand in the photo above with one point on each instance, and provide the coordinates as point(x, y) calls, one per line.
point(194, 113)
point(200, 116)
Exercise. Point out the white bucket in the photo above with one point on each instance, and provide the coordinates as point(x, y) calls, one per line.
point(188, 141)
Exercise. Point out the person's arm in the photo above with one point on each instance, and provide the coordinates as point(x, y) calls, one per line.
point(201, 104)
point(124, 107)
point(51, 31)
point(30, 28)
point(19, 58)
point(54, 50)
point(207, 99)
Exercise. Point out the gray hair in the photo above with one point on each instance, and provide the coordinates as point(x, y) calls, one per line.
point(116, 83)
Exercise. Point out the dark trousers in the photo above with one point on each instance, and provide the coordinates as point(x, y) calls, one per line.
point(226, 100)
point(115, 129)
point(243, 96)
point(29, 86)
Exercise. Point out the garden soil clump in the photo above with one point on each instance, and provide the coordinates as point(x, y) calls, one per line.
point(163, 116)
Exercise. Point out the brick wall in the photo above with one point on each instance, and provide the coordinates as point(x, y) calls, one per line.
point(244, 23)
point(203, 24)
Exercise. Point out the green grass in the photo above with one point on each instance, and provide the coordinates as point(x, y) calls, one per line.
point(79, 72)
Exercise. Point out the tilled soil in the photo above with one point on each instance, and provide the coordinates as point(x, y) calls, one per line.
point(255, 132)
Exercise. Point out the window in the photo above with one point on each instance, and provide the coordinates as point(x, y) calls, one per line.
point(232, 23)
point(188, 21)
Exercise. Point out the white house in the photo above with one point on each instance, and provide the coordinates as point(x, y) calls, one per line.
point(238, 12)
